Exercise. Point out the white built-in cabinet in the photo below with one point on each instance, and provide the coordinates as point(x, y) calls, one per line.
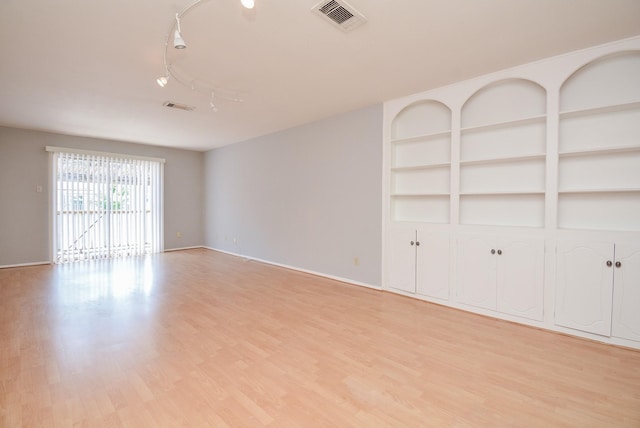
point(505, 274)
point(626, 292)
point(509, 194)
point(599, 288)
point(420, 262)
point(599, 146)
point(421, 163)
point(584, 286)
point(502, 155)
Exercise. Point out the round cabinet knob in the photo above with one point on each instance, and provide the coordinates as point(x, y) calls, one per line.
point(609, 263)
point(499, 252)
point(417, 243)
point(493, 251)
point(618, 264)
point(412, 242)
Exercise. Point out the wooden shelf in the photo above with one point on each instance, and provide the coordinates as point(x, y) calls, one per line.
point(420, 167)
point(419, 195)
point(421, 138)
point(506, 124)
point(592, 111)
point(502, 159)
point(599, 151)
point(504, 224)
point(503, 193)
point(609, 190)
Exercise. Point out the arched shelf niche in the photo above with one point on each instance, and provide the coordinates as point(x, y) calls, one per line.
point(420, 163)
point(502, 155)
point(599, 145)
point(612, 80)
point(421, 118)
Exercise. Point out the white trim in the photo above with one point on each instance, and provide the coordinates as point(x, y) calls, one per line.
point(335, 278)
point(24, 265)
point(97, 153)
point(168, 250)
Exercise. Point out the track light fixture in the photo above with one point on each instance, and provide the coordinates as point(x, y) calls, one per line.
point(178, 41)
point(162, 81)
point(194, 84)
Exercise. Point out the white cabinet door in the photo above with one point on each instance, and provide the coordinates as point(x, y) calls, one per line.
point(626, 292)
point(433, 264)
point(584, 286)
point(402, 274)
point(477, 271)
point(520, 280)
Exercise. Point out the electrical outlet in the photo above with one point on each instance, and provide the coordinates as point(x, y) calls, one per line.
point(356, 261)
point(179, 234)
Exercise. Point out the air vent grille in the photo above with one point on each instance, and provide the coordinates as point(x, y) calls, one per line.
point(179, 106)
point(340, 13)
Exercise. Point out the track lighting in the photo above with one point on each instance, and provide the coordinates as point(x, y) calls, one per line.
point(178, 41)
point(216, 93)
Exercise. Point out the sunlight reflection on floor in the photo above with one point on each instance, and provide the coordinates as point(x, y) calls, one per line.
point(110, 279)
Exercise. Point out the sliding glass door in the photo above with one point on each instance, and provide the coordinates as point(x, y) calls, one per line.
point(105, 206)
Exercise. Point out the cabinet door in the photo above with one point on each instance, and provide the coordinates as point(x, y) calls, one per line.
point(520, 280)
point(626, 292)
point(432, 275)
point(584, 286)
point(476, 271)
point(402, 275)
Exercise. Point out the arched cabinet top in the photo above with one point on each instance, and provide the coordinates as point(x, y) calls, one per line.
point(426, 117)
point(504, 101)
point(606, 81)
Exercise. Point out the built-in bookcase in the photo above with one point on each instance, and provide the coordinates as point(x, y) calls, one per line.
point(421, 163)
point(599, 146)
point(517, 194)
point(502, 155)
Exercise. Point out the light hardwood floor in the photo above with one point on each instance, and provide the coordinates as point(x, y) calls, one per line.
point(199, 338)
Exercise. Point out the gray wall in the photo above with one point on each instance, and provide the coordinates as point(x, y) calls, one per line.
point(24, 218)
point(308, 197)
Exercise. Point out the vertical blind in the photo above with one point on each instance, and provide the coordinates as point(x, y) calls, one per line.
point(104, 205)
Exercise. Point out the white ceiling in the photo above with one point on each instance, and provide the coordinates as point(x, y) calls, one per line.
point(88, 68)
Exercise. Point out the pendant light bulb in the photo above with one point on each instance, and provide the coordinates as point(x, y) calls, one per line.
point(248, 3)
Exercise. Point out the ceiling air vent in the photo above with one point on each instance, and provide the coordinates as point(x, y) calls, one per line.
point(340, 13)
point(178, 106)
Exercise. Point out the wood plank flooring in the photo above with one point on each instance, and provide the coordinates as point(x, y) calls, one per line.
point(199, 338)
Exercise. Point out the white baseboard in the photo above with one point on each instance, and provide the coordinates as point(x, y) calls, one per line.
point(25, 265)
point(166, 250)
point(324, 275)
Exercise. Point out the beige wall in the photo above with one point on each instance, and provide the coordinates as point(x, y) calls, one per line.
point(24, 218)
